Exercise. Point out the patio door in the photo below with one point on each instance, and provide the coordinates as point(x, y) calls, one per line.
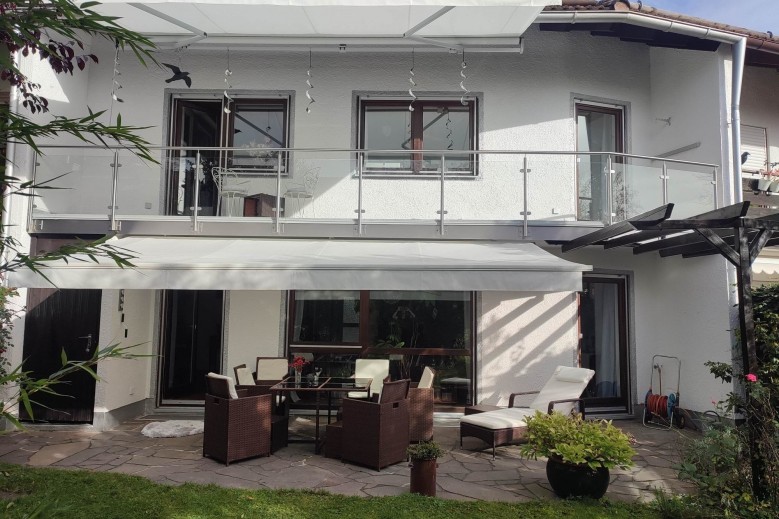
point(191, 344)
point(603, 342)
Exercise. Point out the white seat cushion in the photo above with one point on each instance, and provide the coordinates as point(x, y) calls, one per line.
point(500, 419)
point(272, 368)
point(244, 377)
point(230, 383)
point(426, 380)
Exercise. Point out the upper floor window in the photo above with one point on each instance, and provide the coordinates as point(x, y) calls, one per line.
point(754, 141)
point(434, 126)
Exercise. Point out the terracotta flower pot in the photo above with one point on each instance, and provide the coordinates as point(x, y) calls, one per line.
point(423, 474)
point(576, 480)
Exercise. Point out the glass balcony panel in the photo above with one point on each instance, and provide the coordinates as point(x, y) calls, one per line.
point(636, 187)
point(402, 198)
point(551, 182)
point(593, 185)
point(75, 182)
point(496, 194)
point(140, 185)
point(321, 185)
point(691, 189)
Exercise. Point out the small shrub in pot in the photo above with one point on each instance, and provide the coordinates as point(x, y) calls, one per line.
point(423, 456)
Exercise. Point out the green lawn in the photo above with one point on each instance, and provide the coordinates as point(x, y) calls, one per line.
point(80, 494)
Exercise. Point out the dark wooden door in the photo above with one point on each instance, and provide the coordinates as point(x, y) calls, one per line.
point(59, 320)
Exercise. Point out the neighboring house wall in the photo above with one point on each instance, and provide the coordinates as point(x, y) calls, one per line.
point(126, 381)
point(760, 105)
point(254, 324)
point(522, 337)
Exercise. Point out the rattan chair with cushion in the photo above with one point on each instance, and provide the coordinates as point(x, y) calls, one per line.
point(376, 433)
point(236, 426)
point(420, 407)
point(505, 426)
point(269, 371)
point(375, 369)
point(279, 418)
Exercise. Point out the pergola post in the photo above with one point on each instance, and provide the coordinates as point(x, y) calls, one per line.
point(748, 351)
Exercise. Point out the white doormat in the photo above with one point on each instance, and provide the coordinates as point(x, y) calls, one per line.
point(173, 428)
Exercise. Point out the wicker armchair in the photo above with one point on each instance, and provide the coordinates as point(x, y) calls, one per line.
point(236, 426)
point(376, 432)
point(420, 407)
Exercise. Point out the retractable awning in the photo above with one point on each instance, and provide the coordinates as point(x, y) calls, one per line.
point(323, 19)
point(286, 264)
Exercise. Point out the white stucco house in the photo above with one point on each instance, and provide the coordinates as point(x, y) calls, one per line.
point(341, 178)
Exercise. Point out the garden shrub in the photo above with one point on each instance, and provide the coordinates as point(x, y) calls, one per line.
point(719, 462)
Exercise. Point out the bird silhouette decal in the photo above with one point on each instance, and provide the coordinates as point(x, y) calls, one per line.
point(178, 74)
point(745, 157)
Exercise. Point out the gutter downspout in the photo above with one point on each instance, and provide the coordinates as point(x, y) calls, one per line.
point(10, 157)
point(739, 53)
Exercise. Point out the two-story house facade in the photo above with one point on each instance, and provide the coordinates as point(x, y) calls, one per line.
point(338, 180)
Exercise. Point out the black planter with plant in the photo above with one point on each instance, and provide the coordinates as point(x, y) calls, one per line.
point(580, 452)
point(424, 456)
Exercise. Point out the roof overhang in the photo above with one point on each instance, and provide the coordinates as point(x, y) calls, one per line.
point(298, 264)
point(316, 22)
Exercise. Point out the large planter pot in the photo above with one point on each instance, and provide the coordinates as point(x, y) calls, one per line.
point(423, 477)
point(569, 480)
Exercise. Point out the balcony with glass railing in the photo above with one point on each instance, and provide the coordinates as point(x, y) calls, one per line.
point(366, 193)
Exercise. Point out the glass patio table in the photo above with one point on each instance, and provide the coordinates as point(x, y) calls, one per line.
point(325, 385)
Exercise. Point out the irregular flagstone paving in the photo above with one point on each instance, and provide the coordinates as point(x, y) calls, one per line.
point(466, 473)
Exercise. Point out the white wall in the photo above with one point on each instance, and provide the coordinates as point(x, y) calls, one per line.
point(253, 327)
point(679, 308)
point(124, 381)
point(685, 87)
point(527, 103)
point(522, 337)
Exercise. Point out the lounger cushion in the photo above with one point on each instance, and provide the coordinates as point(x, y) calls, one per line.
point(510, 418)
point(570, 385)
point(576, 375)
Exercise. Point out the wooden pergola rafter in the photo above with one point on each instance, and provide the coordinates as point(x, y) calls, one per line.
point(729, 232)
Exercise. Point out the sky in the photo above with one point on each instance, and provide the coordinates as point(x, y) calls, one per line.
point(758, 15)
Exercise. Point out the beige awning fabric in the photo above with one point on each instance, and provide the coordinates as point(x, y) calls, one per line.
point(306, 264)
point(327, 18)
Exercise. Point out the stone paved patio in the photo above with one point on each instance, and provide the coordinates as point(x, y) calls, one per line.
point(464, 474)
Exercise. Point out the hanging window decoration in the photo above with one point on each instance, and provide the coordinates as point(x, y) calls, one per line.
point(448, 130)
point(413, 84)
point(115, 85)
point(228, 86)
point(310, 86)
point(465, 90)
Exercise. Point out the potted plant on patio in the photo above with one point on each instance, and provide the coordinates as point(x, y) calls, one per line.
point(423, 456)
point(580, 452)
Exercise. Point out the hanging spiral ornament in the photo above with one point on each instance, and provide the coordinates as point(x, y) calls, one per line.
point(115, 85)
point(448, 126)
point(228, 86)
point(465, 90)
point(310, 85)
point(412, 83)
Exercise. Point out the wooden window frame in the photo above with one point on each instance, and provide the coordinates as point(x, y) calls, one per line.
point(417, 130)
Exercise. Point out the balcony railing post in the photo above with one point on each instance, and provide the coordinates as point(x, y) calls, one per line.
point(30, 221)
point(609, 188)
point(114, 182)
point(715, 182)
point(360, 167)
point(441, 211)
point(277, 221)
point(525, 213)
point(664, 181)
point(196, 194)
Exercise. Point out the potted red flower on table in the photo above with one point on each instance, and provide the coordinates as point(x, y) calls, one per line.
point(297, 364)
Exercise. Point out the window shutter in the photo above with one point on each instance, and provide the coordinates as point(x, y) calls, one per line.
point(754, 140)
